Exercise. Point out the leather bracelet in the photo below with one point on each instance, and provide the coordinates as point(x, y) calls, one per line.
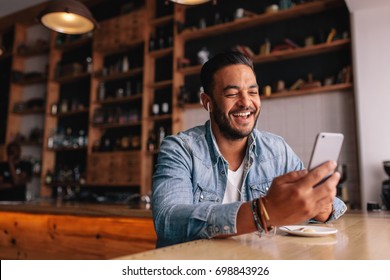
point(256, 217)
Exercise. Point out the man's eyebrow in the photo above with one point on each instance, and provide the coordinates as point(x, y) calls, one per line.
point(230, 87)
point(237, 87)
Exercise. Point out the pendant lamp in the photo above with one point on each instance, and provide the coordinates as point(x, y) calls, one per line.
point(190, 2)
point(68, 17)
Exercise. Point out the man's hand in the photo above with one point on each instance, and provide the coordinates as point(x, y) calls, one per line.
point(325, 213)
point(292, 198)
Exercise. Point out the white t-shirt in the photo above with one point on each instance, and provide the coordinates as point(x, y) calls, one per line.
point(234, 184)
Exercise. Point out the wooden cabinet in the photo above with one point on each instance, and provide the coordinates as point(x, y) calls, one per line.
point(120, 169)
point(128, 85)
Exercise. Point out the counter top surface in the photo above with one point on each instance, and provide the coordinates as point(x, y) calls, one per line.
point(360, 236)
point(76, 208)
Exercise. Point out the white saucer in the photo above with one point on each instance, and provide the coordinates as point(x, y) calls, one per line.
point(310, 231)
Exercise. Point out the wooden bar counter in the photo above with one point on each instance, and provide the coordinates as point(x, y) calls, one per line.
point(360, 236)
point(48, 230)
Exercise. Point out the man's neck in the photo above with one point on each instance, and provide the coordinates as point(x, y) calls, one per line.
point(232, 150)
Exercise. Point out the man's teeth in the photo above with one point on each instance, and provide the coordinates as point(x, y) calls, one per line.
point(242, 114)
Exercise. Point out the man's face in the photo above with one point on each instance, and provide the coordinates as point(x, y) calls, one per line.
point(235, 101)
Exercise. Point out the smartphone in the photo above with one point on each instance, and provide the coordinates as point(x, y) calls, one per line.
point(327, 147)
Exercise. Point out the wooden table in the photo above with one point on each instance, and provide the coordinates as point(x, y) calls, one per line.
point(363, 236)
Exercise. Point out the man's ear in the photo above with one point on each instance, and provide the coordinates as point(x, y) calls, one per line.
point(205, 101)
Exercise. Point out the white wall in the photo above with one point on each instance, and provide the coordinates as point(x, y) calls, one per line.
point(370, 23)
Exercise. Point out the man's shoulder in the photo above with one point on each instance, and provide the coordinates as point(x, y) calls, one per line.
point(267, 137)
point(195, 133)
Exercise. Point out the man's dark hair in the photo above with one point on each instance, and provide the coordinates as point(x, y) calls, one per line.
point(218, 62)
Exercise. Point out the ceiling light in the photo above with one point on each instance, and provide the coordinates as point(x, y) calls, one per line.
point(67, 16)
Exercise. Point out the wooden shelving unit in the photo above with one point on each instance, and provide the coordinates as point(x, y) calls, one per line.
point(159, 79)
point(120, 100)
point(285, 55)
point(119, 75)
point(262, 19)
point(72, 78)
point(28, 81)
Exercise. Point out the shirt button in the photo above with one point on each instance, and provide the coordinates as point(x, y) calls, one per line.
point(216, 229)
point(226, 228)
point(223, 172)
point(217, 199)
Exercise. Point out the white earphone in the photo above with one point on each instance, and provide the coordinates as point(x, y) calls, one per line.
point(208, 106)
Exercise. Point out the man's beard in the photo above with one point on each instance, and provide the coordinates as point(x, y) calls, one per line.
point(226, 129)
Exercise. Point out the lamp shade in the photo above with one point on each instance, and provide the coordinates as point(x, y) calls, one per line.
point(67, 16)
point(190, 2)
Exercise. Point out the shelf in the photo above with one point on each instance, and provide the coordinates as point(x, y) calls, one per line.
point(151, 153)
point(304, 51)
point(31, 81)
point(161, 20)
point(116, 125)
point(261, 19)
point(30, 112)
point(70, 149)
point(161, 53)
point(160, 117)
point(120, 48)
point(118, 153)
point(34, 52)
point(120, 100)
point(71, 113)
point(31, 144)
point(72, 78)
point(63, 184)
point(292, 93)
point(284, 55)
point(196, 105)
point(119, 75)
point(68, 46)
point(162, 84)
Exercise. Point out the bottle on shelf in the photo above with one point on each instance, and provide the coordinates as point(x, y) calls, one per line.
point(165, 108)
point(151, 143)
point(49, 177)
point(50, 139)
point(64, 106)
point(101, 91)
point(139, 87)
point(128, 89)
point(152, 43)
point(161, 135)
point(88, 62)
point(125, 64)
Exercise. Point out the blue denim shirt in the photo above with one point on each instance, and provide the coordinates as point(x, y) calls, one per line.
point(191, 176)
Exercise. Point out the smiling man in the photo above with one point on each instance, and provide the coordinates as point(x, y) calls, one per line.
point(225, 177)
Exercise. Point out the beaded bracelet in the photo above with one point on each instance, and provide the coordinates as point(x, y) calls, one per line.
point(256, 217)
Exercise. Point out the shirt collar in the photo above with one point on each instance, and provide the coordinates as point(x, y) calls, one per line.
point(214, 150)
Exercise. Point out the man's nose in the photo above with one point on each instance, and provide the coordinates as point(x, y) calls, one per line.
point(245, 100)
